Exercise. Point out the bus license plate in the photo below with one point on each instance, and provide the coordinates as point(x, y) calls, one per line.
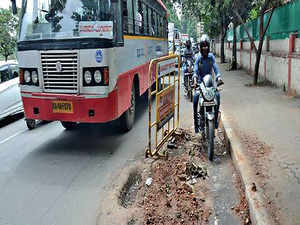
point(62, 107)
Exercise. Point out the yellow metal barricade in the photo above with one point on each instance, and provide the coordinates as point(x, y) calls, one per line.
point(166, 99)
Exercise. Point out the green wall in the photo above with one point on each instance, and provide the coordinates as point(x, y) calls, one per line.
point(285, 20)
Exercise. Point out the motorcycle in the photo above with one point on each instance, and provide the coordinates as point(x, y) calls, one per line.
point(207, 103)
point(188, 77)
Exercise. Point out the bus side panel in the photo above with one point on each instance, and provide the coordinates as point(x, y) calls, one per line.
point(133, 59)
point(124, 86)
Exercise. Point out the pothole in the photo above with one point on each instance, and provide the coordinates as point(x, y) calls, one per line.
point(130, 188)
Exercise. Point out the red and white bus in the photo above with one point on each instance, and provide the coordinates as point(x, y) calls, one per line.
point(86, 60)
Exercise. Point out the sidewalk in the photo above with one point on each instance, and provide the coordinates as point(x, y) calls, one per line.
point(267, 124)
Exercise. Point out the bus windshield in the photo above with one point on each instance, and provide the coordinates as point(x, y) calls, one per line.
point(67, 19)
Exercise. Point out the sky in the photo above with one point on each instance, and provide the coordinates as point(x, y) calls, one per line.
point(6, 3)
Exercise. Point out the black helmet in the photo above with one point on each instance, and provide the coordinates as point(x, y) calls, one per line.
point(188, 44)
point(204, 45)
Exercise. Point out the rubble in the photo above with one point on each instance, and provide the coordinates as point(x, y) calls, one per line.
point(253, 187)
point(149, 181)
point(195, 169)
point(189, 188)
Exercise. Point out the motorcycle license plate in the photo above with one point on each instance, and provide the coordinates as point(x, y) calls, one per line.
point(209, 103)
point(62, 107)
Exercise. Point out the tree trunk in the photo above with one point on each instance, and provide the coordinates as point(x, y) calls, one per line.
point(259, 49)
point(257, 62)
point(6, 58)
point(222, 49)
point(234, 58)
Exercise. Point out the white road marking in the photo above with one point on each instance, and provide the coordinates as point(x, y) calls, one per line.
point(12, 136)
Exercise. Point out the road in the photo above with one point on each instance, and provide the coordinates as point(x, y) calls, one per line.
point(50, 176)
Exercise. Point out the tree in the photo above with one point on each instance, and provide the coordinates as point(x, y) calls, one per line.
point(244, 10)
point(214, 13)
point(260, 6)
point(8, 27)
point(172, 15)
point(224, 11)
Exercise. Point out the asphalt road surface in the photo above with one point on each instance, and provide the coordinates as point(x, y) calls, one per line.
point(50, 176)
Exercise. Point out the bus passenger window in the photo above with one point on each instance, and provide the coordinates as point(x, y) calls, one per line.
point(141, 17)
point(125, 16)
point(130, 17)
point(152, 28)
point(145, 19)
point(149, 21)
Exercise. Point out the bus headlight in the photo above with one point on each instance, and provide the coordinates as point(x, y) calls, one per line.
point(88, 77)
point(27, 76)
point(98, 76)
point(34, 77)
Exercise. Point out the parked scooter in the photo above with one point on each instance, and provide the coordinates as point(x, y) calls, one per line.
point(207, 102)
point(188, 68)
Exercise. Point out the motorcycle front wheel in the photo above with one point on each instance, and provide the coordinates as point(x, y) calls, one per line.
point(210, 139)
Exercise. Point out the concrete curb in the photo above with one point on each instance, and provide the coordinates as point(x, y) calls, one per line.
point(258, 213)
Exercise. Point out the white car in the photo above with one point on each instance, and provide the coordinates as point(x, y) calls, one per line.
point(10, 96)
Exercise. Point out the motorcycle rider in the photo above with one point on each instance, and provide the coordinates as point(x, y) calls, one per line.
point(187, 55)
point(188, 52)
point(204, 65)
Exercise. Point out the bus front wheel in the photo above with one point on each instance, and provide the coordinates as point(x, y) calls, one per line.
point(127, 119)
point(31, 123)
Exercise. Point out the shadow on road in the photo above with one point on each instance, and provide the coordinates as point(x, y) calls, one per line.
point(11, 119)
point(88, 146)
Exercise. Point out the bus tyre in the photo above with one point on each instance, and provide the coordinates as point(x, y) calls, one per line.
point(31, 124)
point(127, 119)
point(69, 125)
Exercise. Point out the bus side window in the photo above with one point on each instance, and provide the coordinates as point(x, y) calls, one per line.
point(125, 16)
point(152, 26)
point(155, 23)
point(140, 17)
point(145, 19)
point(160, 27)
point(130, 17)
point(150, 30)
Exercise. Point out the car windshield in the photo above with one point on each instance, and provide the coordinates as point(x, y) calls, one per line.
point(61, 19)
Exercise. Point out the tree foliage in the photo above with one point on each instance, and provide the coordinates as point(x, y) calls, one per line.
point(173, 18)
point(8, 32)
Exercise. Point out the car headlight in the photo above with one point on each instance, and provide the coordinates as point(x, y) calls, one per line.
point(88, 77)
point(98, 76)
point(27, 76)
point(34, 77)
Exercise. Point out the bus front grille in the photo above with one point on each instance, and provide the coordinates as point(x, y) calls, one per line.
point(60, 71)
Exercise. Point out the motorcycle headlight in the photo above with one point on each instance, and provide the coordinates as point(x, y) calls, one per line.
point(209, 94)
point(98, 76)
point(34, 77)
point(88, 77)
point(27, 76)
